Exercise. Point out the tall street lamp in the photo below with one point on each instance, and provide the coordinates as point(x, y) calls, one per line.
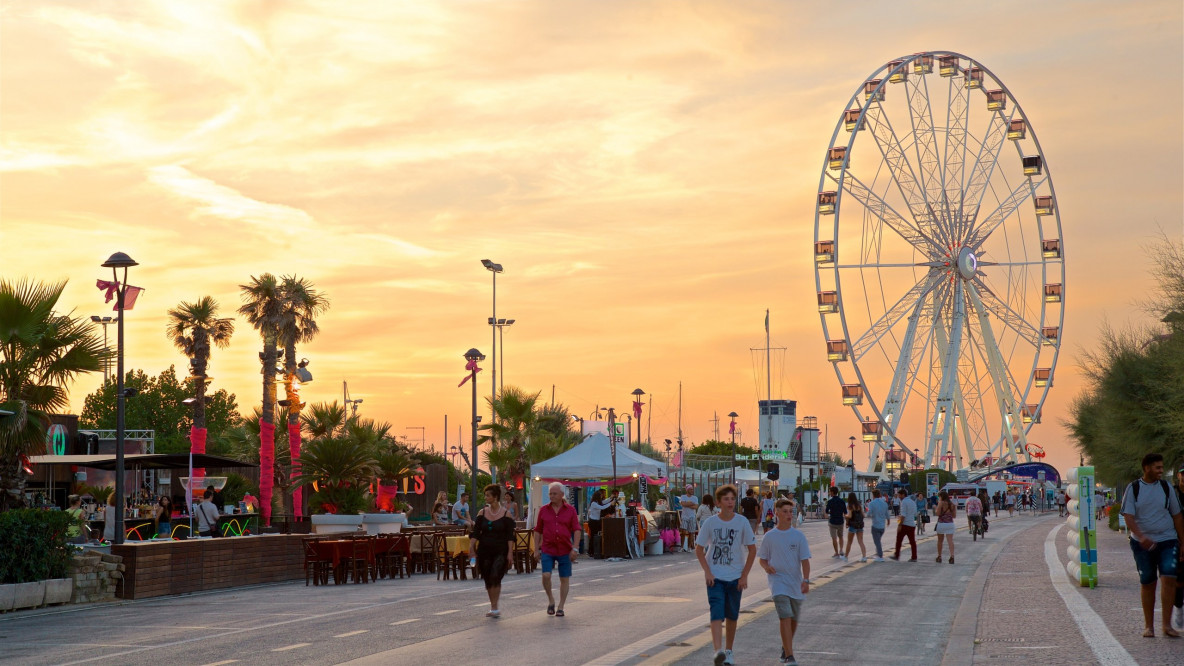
point(501, 324)
point(473, 356)
point(115, 262)
point(732, 432)
point(612, 440)
point(104, 321)
point(852, 438)
point(495, 269)
point(637, 404)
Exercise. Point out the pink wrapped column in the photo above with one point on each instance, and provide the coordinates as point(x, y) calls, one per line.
point(266, 469)
point(197, 445)
point(294, 448)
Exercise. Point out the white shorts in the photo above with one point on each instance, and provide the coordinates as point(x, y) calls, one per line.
point(945, 528)
point(688, 524)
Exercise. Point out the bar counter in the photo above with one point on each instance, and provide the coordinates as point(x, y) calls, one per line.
point(159, 568)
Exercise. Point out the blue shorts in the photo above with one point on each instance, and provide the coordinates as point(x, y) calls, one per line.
point(548, 562)
point(724, 599)
point(1161, 559)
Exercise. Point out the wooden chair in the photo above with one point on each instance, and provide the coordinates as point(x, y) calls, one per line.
point(357, 561)
point(315, 567)
point(424, 558)
point(391, 555)
point(523, 552)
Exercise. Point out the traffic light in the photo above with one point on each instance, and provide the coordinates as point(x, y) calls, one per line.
point(774, 471)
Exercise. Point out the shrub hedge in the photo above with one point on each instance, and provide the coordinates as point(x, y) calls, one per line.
point(33, 545)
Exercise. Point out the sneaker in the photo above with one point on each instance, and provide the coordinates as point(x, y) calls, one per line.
point(836, 556)
point(728, 658)
point(863, 559)
point(720, 657)
point(842, 558)
point(1178, 618)
point(789, 661)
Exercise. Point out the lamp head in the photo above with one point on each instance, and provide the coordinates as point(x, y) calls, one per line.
point(119, 260)
point(188, 401)
point(489, 265)
point(638, 392)
point(474, 355)
point(731, 415)
point(509, 322)
point(96, 319)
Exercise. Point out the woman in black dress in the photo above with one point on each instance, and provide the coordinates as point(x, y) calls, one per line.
point(492, 539)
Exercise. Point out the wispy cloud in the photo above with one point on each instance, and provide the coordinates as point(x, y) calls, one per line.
point(219, 201)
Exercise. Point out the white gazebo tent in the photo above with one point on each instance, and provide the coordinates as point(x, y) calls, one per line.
point(590, 459)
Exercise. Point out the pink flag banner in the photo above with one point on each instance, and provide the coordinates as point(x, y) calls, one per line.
point(294, 447)
point(732, 428)
point(112, 290)
point(637, 408)
point(266, 469)
point(471, 366)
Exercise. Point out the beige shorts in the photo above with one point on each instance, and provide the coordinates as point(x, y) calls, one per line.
point(836, 531)
point(788, 607)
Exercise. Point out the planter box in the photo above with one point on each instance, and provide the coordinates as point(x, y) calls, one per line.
point(330, 523)
point(58, 590)
point(29, 595)
point(382, 523)
point(7, 597)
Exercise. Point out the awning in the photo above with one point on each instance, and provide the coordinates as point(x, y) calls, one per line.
point(143, 461)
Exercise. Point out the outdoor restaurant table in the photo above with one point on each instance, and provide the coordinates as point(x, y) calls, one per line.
point(338, 549)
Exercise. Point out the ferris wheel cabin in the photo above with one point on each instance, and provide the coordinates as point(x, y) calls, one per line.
point(1044, 204)
point(1030, 413)
point(947, 65)
point(1050, 248)
point(824, 251)
point(852, 394)
point(1033, 165)
point(996, 100)
point(1017, 129)
point(827, 201)
point(872, 91)
point(1042, 376)
point(873, 431)
point(1050, 335)
point(837, 350)
point(835, 157)
point(973, 77)
point(1052, 293)
point(923, 64)
point(898, 74)
point(851, 120)
point(828, 302)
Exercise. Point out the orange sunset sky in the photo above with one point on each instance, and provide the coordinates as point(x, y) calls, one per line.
point(645, 171)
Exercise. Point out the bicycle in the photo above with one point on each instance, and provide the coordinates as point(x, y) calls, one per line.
point(976, 528)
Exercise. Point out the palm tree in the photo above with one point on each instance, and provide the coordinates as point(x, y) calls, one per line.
point(301, 304)
point(514, 425)
point(263, 308)
point(193, 328)
point(41, 352)
point(322, 419)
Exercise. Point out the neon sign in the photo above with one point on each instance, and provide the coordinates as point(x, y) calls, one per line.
point(56, 439)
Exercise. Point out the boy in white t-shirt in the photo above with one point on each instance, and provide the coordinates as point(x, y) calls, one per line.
point(725, 536)
point(785, 557)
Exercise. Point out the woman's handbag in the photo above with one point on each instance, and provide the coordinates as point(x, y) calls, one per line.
point(925, 518)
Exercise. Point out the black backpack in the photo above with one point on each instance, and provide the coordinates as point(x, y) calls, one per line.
point(1134, 486)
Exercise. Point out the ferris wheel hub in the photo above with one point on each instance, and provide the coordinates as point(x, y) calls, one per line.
point(967, 263)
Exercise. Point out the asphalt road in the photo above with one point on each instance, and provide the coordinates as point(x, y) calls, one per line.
point(620, 612)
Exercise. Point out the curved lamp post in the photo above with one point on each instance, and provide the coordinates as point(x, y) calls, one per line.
point(473, 356)
point(115, 262)
point(732, 432)
point(637, 403)
point(852, 438)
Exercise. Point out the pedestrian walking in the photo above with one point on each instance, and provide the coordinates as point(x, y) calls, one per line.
point(997, 501)
point(854, 518)
point(785, 556)
point(687, 504)
point(946, 512)
point(556, 543)
point(750, 506)
point(878, 512)
point(906, 525)
point(1010, 502)
point(726, 536)
point(895, 505)
point(768, 509)
point(836, 508)
point(986, 502)
point(706, 509)
point(491, 545)
point(922, 512)
point(1152, 513)
point(1178, 606)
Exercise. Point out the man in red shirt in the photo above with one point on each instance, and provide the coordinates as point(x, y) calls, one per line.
point(557, 524)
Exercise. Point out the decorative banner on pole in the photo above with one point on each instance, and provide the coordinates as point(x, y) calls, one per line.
point(643, 485)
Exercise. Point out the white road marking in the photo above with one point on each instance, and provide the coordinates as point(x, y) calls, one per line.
point(395, 624)
point(291, 647)
point(595, 580)
point(616, 575)
point(480, 603)
point(653, 568)
point(575, 584)
point(223, 663)
point(520, 596)
point(447, 612)
point(1092, 628)
point(351, 633)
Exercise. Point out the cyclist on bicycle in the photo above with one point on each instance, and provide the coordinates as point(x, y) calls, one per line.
point(974, 515)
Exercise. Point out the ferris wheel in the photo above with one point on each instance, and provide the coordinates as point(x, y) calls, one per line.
point(939, 265)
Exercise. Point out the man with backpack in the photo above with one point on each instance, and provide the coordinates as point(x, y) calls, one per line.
point(1152, 513)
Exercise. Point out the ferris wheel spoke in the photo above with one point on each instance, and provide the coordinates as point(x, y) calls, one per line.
point(1010, 318)
point(980, 232)
point(984, 164)
point(953, 169)
point(886, 214)
point(925, 143)
point(900, 169)
point(903, 369)
point(1001, 379)
point(868, 340)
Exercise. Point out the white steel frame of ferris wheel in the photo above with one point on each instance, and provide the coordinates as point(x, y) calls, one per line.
point(944, 208)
